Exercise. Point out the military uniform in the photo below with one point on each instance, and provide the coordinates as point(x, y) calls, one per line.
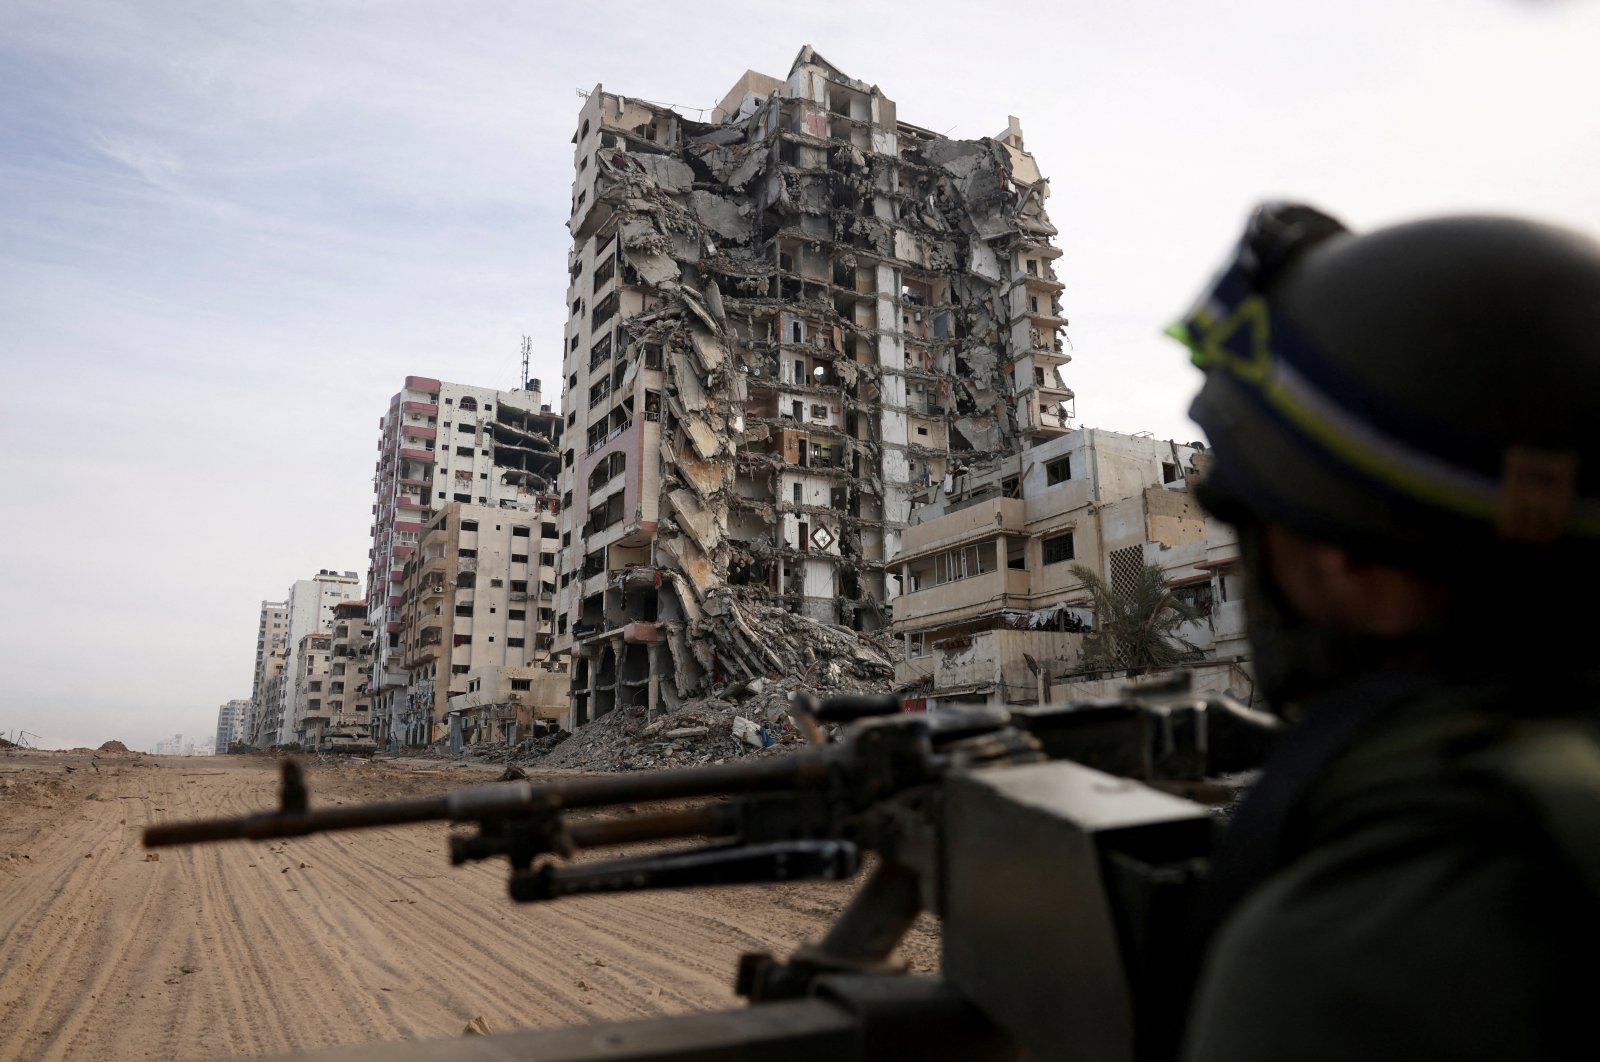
point(1425, 884)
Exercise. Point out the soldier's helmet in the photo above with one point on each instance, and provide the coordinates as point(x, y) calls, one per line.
point(1427, 394)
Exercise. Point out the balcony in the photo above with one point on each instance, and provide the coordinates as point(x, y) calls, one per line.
point(1038, 282)
point(608, 437)
point(979, 523)
point(966, 599)
point(428, 409)
point(418, 431)
point(1052, 423)
point(412, 454)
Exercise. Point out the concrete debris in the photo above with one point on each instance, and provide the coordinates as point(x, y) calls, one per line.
point(750, 733)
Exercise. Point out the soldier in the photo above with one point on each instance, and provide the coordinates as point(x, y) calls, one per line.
point(1404, 432)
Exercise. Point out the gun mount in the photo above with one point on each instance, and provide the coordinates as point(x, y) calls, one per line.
point(1060, 872)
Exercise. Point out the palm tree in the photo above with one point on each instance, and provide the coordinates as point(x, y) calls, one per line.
point(1136, 628)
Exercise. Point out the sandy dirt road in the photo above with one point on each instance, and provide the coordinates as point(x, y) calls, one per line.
point(254, 948)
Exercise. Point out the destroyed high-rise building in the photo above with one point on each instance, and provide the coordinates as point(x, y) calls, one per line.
point(784, 324)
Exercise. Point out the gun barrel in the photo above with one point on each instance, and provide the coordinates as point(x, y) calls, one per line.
point(503, 799)
point(297, 824)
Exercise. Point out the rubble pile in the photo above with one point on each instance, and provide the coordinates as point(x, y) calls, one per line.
point(112, 746)
point(744, 717)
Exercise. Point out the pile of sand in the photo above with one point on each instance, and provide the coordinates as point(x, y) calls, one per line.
point(113, 746)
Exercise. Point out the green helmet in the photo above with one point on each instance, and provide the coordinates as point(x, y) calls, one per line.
point(1419, 394)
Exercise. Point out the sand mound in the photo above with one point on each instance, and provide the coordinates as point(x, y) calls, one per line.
point(113, 746)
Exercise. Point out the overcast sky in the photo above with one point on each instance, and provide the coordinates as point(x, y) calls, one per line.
point(229, 230)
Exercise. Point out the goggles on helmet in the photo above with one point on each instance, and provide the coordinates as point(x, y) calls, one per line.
point(1275, 372)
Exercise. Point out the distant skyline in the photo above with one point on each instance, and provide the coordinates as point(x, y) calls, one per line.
point(228, 232)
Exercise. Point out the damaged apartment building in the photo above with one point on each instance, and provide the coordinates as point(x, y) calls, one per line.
point(784, 322)
point(990, 608)
point(487, 458)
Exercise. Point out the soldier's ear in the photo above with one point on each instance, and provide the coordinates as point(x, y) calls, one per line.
point(1331, 586)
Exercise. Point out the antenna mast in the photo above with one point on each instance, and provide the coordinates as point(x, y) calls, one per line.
point(527, 352)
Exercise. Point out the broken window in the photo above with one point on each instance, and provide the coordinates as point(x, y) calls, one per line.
point(1169, 472)
point(1197, 596)
point(519, 558)
point(521, 684)
point(464, 610)
point(603, 272)
point(519, 532)
point(1058, 471)
point(469, 525)
point(1057, 548)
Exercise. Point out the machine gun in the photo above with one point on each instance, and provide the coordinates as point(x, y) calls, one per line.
point(1061, 874)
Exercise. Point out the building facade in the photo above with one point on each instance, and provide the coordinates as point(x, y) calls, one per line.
point(272, 637)
point(312, 662)
point(505, 704)
point(231, 723)
point(443, 444)
point(990, 609)
point(349, 669)
point(783, 324)
point(480, 592)
point(310, 611)
point(262, 728)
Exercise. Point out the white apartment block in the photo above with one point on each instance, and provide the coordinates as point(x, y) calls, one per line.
point(272, 638)
point(231, 723)
point(310, 610)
